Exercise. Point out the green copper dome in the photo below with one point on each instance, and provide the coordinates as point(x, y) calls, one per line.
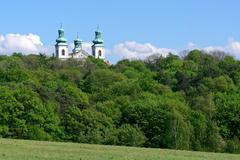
point(98, 37)
point(61, 39)
point(77, 44)
point(77, 40)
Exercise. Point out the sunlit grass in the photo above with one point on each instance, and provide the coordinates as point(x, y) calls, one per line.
point(38, 150)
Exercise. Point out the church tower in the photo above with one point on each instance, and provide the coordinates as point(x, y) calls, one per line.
point(77, 45)
point(61, 47)
point(98, 50)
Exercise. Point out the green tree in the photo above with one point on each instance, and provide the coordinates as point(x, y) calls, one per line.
point(87, 126)
point(130, 136)
point(227, 115)
point(70, 95)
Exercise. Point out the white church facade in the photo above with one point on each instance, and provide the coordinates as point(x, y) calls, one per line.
point(62, 48)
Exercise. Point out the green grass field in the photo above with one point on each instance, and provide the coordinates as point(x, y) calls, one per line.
point(35, 150)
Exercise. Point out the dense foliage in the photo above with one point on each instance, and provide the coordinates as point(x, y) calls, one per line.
point(190, 103)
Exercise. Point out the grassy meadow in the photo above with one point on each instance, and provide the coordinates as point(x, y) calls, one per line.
point(40, 150)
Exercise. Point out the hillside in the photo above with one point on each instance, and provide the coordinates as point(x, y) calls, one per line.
point(35, 150)
point(188, 103)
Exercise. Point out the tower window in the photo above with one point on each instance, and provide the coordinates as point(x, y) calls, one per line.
point(99, 53)
point(63, 52)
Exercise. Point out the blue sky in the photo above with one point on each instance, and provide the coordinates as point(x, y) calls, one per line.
point(135, 25)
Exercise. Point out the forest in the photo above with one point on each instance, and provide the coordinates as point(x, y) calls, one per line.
point(189, 102)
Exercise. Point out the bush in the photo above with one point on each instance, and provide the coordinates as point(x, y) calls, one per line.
point(130, 136)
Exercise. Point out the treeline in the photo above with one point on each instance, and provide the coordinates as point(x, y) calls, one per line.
point(190, 103)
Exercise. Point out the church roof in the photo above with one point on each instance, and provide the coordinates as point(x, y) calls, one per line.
point(80, 52)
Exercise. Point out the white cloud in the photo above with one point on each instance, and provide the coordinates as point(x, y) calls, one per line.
point(134, 50)
point(192, 46)
point(29, 43)
point(232, 47)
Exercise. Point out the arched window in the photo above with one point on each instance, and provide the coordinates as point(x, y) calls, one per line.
point(99, 53)
point(63, 52)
